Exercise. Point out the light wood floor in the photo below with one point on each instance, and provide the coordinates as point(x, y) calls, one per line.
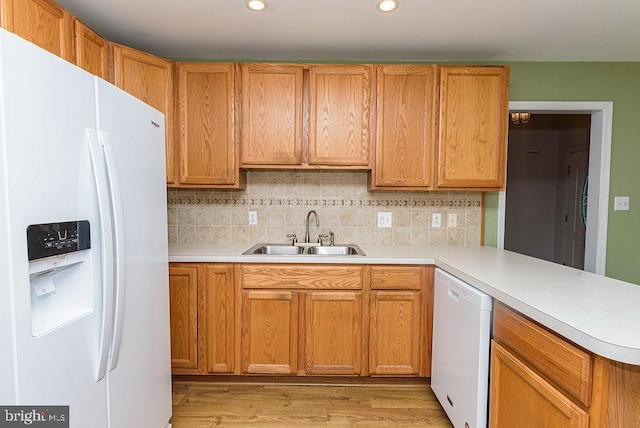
point(198, 404)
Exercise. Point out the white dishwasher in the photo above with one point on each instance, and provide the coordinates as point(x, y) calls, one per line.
point(460, 356)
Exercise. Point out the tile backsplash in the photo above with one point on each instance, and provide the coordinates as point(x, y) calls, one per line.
point(282, 200)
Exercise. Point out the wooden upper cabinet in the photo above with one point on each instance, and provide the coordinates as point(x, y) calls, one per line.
point(92, 52)
point(474, 108)
point(150, 79)
point(271, 114)
point(340, 115)
point(208, 94)
point(406, 127)
point(42, 22)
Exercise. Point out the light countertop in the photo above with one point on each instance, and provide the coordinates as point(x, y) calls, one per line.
point(598, 313)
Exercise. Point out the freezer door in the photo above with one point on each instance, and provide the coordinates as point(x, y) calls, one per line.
point(139, 381)
point(46, 107)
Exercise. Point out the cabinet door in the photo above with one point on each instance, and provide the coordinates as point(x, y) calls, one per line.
point(340, 115)
point(395, 332)
point(271, 114)
point(333, 332)
point(219, 293)
point(406, 127)
point(183, 300)
point(209, 124)
point(150, 79)
point(519, 397)
point(42, 22)
point(91, 51)
point(474, 108)
point(269, 331)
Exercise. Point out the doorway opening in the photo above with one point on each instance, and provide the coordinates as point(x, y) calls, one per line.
point(597, 190)
point(547, 169)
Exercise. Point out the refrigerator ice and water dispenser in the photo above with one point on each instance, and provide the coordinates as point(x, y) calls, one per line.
point(59, 273)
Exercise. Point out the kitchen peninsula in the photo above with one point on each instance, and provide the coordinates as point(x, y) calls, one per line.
point(595, 315)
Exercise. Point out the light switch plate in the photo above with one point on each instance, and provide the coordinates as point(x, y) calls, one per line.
point(436, 220)
point(385, 219)
point(621, 203)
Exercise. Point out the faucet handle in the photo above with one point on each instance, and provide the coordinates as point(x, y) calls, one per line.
point(332, 239)
point(321, 237)
point(294, 239)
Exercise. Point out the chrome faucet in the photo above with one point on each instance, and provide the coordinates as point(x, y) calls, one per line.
point(306, 232)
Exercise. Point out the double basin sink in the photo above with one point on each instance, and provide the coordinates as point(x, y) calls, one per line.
point(302, 250)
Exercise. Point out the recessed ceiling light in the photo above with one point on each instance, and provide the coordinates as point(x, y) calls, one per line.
point(387, 5)
point(257, 5)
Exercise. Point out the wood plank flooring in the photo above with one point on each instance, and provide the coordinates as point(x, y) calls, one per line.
point(202, 404)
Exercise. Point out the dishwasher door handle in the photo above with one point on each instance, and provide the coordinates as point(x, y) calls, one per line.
point(454, 294)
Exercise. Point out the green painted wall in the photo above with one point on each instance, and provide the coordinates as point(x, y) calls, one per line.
point(617, 82)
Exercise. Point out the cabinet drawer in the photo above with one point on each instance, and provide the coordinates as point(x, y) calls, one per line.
point(396, 277)
point(561, 362)
point(301, 276)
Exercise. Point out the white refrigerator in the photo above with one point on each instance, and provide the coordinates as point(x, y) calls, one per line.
point(84, 302)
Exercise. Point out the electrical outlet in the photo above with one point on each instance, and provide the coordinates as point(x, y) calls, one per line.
point(621, 203)
point(253, 218)
point(436, 220)
point(452, 220)
point(385, 219)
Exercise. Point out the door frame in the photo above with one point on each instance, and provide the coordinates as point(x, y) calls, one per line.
point(599, 173)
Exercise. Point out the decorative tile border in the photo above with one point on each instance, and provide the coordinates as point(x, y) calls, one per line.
point(328, 202)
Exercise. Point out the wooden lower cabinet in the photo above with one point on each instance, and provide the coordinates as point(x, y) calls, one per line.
point(202, 318)
point(522, 398)
point(319, 329)
point(395, 332)
point(401, 308)
point(220, 309)
point(269, 331)
point(539, 378)
point(333, 332)
point(300, 319)
point(183, 314)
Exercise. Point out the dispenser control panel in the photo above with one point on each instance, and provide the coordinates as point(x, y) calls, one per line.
point(52, 239)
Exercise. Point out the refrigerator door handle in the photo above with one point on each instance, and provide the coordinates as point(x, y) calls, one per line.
point(120, 250)
point(104, 208)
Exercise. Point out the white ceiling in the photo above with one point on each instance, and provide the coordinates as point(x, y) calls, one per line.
point(420, 30)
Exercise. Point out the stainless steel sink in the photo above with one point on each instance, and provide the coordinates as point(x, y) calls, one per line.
point(337, 250)
point(293, 250)
point(275, 249)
